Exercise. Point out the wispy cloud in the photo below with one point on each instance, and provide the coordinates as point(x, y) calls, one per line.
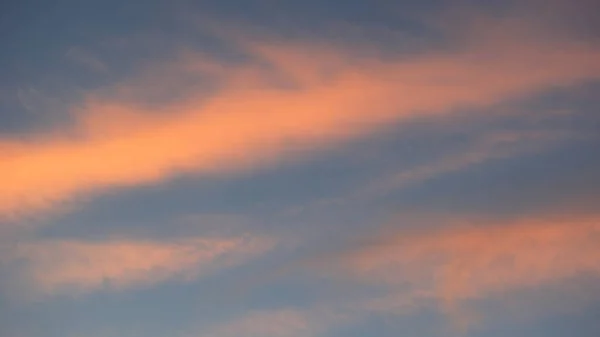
point(86, 58)
point(268, 323)
point(475, 258)
point(73, 266)
point(495, 145)
point(447, 268)
point(253, 120)
point(317, 319)
point(484, 148)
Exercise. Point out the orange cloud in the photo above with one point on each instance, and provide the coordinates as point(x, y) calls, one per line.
point(252, 119)
point(70, 265)
point(469, 262)
point(467, 259)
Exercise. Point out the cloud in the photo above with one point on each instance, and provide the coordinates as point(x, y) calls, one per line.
point(483, 148)
point(314, 320)
point(86, 59)
point(447, 267)
point(491, 146)
point(521, 263)
point(253, 119)
point(284, 322)
point(56, 266)
point(479, 258)
point(267, 323)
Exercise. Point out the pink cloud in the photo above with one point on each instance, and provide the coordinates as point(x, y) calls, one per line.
point(252, 121)
point(52, 266)
point(478, 258)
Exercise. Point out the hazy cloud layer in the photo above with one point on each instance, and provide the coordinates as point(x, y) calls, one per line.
point(321, 169)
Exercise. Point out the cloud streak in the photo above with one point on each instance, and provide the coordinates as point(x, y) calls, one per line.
point(478, 258)
point(253, 120)
point(491, 146)
point(447, 268)
point(74, 266)
point(86, 59)
point(268, 323)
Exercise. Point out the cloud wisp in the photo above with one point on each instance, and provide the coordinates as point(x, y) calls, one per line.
point(76, 266)
point(86, 59)
point(288, 322)
point(447, 268)
point(469, 259)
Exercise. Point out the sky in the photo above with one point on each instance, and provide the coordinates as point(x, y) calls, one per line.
point(267, 168)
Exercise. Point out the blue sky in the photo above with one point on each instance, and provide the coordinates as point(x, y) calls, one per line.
point(285, 168)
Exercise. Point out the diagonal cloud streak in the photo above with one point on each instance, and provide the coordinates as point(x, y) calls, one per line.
point(76, 266)
point(252, 120)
